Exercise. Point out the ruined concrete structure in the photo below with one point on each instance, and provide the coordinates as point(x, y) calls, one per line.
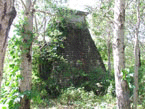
point(81, 54)
point(79, 48)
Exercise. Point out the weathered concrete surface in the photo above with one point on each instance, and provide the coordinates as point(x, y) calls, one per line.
point(79, 48)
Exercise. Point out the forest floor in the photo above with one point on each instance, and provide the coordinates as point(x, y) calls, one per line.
point(99, 106)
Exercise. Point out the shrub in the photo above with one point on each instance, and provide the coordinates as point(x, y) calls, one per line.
point(77, 97)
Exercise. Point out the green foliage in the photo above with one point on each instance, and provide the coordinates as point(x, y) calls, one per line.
point(128, 75)
point(52, 72)
point(78, 97)
point(10, 87)
point(22, 39)
point(57, 78)
point(10, 92)
point(141, 85)
point(62, 75)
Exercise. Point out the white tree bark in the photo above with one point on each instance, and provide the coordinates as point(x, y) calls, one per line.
point(7, 15)
point(26, 61)
point(122, 91)
point(136, 54)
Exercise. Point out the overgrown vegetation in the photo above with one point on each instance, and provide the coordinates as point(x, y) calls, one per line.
point(55, 81)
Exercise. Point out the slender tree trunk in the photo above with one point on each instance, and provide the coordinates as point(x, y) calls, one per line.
point(136, 54)
point(7, 15)
point(122, 89)
point(139, 58)
point(109, 52)
point(26, 62)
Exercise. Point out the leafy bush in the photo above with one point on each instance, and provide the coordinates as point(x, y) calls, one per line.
point(10, 91)
point(142, 85)
point(78, 97)
point(63, 75)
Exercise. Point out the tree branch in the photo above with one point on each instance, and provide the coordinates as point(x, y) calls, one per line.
point(45, 12)
point(24, 4)
point(34, 2)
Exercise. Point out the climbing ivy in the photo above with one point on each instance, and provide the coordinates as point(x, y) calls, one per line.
point(10, 87)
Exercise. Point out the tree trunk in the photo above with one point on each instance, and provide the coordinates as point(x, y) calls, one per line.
point(139, 58)
point(122, 89)
point(26, 62)
point(136, 54)
point(109, 52)
point(7, 15)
